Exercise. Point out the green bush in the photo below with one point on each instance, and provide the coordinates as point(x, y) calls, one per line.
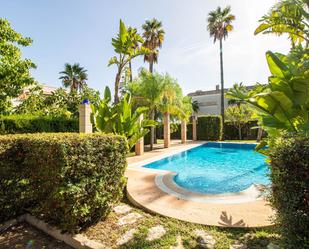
point(209, 128)
point(231, 132)
point(289, 160)
point(68, 179)
point(16, 124)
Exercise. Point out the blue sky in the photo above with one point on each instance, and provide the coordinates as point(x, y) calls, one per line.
point(81, 31)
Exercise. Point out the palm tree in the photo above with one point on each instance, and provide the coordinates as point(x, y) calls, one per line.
point(219, 25)
point(74, 76)
point(154, 37)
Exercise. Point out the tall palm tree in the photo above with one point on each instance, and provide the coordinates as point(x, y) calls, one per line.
point(219, 25)
point(154, 36)
point(74, 76)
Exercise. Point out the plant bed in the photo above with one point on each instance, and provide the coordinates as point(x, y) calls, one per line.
point(23, 235)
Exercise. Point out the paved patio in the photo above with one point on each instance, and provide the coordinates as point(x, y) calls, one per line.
point(154, 190)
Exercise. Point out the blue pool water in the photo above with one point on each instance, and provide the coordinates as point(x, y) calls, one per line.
point(215, 168)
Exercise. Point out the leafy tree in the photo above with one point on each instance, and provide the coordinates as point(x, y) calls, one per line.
point(59, 103)
point(219, 25)
point(74, 76)
point(159, 93)
point(125, 46)
point(154, 37)
point(287, 17)
point(33, 103)
point(120, 119)
point(14, 71)
point(146, 91)
point(238, 115)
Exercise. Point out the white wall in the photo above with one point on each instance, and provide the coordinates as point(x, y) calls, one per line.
point(209, 104)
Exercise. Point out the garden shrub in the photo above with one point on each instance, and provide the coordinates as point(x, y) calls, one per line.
point(68, 179)
point(209, 128)
point(231, 132)
point(16, 124)
point(289, 160)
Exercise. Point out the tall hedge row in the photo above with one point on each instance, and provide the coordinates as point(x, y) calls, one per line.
point(289, 160)
point(67, 179)
point(209, 128)
point(17, 124)
point(231, 132)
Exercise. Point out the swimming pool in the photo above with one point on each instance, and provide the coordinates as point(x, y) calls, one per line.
point(216, 168)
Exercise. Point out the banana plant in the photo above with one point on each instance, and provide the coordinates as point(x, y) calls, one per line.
point(120, 119)
point(283, 104)
point(126, 45)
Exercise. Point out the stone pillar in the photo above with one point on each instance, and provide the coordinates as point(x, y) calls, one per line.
point(194, 129)
point(167, 130)
point(183, 131)
point(85, 125)
point(139, 146)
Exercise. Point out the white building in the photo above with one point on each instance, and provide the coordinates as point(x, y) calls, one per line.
point(209, 102)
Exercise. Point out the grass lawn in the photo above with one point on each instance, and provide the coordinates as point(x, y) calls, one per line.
point(108, 232)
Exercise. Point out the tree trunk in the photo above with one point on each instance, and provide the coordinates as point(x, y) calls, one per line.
point(222, 88)
point(152, 130)
point(239, 132)
point(260, 133)
point(151, 65)
point(130, 68)
point(117, 82)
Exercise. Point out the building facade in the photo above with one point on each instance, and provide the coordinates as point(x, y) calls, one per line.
point(209, 102)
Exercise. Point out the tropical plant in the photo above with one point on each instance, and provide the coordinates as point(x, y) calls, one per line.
point(219, 25)
point(125, 46)
point(238, 116)
point(287, 17)
point(160, 93)
point(14, 70)
point(154, 36)
point(195, 106)
point(120, 118)
point(283, 104)
point(146, 91)
point(74, 76)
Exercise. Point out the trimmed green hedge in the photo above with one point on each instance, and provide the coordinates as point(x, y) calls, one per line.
point(289, 160)
point(231, 132)
point(68, 179)
point(16, 124)
point(209, 128)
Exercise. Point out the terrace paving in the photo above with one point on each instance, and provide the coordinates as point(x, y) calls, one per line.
point(143, 191)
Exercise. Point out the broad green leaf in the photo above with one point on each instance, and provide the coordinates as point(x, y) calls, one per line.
point(122, 32)
point(262, 27)
point(276, 67)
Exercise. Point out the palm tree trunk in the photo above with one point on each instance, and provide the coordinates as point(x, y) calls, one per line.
point(239, 132)
point(151, 66)
point(222, 88)
point(260, 133)
point(130, 68)
point(152, 130)
point(117, 81)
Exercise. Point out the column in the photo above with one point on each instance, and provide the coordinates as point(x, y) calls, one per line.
point(139, 146)
point(194, 131)
point(183, 131)
point(85, 125)
point(167, 131)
